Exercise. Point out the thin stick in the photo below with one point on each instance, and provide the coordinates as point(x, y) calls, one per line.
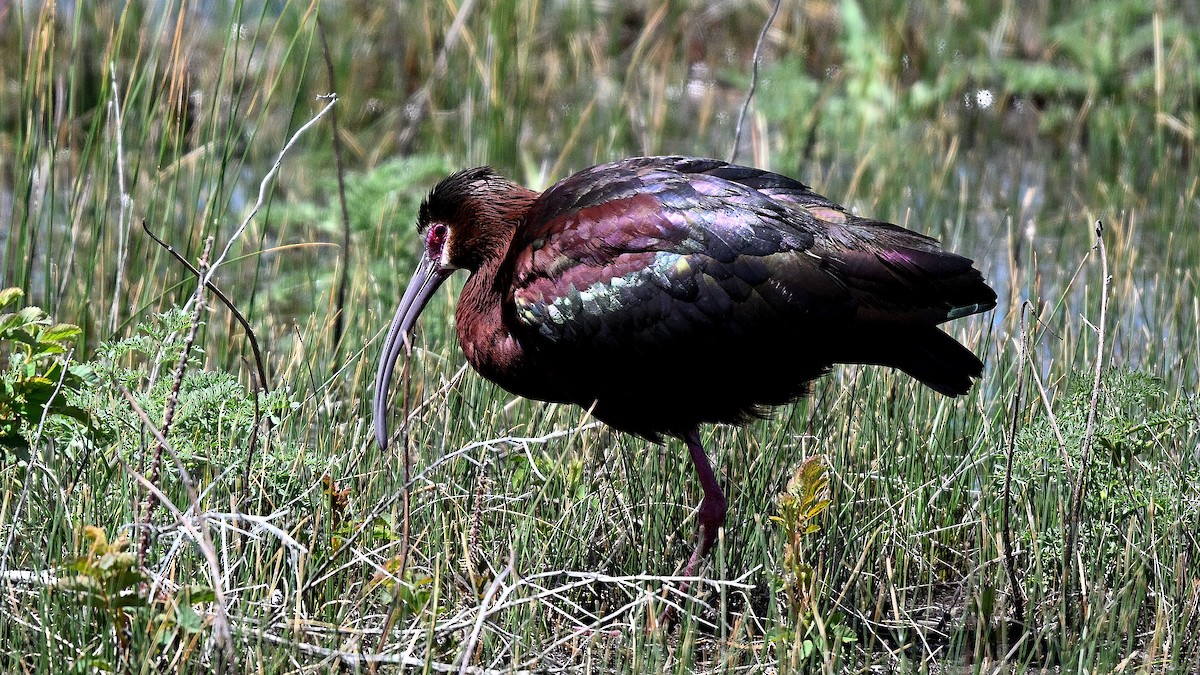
point(483, 613)
point(184, 477)
point(417, 105)
point(264, 384)
point(1089, 429)
point(221, 633)
point(262, 190)
point(1050, 416)
point(339, 302)
point(169, 411)
point(762, 38)
point(1010, 563)
point(126, 202)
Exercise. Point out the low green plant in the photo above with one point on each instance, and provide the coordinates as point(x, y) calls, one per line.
point(108, 578)
point(413, 593)
point(1136, 474)
point(176, 617)
point(803, 501)
point(39, 377)
point(215, 413)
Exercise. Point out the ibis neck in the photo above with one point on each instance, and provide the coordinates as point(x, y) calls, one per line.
point(486, 340)
point(483, 332)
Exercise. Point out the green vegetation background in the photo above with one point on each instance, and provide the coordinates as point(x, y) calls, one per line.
point(1048, 519)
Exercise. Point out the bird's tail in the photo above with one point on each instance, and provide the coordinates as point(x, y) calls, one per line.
point(926, 353)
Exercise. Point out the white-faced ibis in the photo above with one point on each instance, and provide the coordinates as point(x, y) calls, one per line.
point(663, 293)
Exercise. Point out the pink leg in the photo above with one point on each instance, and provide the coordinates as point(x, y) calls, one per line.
point(712, 508)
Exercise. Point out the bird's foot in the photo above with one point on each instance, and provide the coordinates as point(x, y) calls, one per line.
point(707, 537)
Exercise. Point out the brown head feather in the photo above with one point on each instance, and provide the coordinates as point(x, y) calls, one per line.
point(481, 208)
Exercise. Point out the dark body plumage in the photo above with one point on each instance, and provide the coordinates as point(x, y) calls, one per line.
point(665, 293)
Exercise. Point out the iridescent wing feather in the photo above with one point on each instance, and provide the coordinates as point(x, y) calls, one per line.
point(643, 257)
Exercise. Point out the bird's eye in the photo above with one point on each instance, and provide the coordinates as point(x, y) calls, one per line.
point(434, 241)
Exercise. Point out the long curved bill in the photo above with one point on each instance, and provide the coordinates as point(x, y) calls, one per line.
point(425, 280)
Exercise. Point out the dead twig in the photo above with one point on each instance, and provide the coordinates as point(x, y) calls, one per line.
point(492, 590)
point(262, 188)
point(151, 501)
point(222, 636)
point(417, 106)
point(1010, 563)
point(339, 302)
point(1089, 432)
point(762, 38)
point(264, 384)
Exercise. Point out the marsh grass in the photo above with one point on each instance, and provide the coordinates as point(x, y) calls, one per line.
point(538, 540)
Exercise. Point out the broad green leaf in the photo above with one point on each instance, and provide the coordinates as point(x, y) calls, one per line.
point(8, 322)
point(43, 348)
point(32, 315)
point(22, 335)
point(8, 295)
point(187, 618)
point(61, 332)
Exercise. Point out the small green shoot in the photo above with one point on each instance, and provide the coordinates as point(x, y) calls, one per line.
point(805, 498)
